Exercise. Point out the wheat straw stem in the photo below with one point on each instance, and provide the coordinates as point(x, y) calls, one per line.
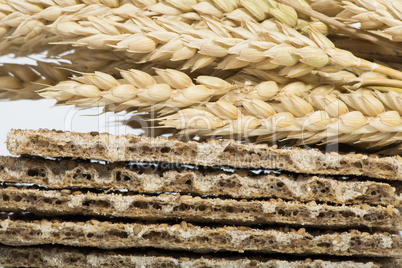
point(381, 69)
point(367, 50)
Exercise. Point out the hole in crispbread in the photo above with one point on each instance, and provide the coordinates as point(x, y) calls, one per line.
point(32, 172)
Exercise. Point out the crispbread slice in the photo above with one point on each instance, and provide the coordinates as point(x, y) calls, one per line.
point(216, 210)
point(47, 143)
point(200, 239)
point(70, 257)
point(241, 184)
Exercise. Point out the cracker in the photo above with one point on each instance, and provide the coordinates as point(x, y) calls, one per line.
point(197, 209)
point(50, 143)
point(56, 256)
point(240, 184)
point(201, 239)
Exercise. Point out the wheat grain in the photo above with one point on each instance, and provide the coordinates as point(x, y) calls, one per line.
point(89, 61)
point(328, 7)
point(392, 100)
point(22, 47)
point(350, 78)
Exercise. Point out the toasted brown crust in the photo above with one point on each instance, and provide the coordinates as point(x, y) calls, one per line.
point(189, 237)
point(216, 210)
point(47, 143)
point(70, 257)
point(70, 173)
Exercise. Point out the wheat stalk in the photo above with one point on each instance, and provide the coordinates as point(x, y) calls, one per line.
point(23, 21)
point(164, 93)
point(202, 41)
point(30, 28)
point(350, 78)
point(368, 50)
point(85, 61)
point(258, 10)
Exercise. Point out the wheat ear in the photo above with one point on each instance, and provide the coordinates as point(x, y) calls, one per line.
point(172, 89)
point(22, 81)
point(381, 17)
point(258, 10)
point(23, 21)
point(82, 60)
point(323, 115)
point(268, 45)
point(314, 128)
point(22, 26)
point(344, 28)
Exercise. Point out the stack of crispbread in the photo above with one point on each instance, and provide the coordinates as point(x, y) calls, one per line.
point(160, 202)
